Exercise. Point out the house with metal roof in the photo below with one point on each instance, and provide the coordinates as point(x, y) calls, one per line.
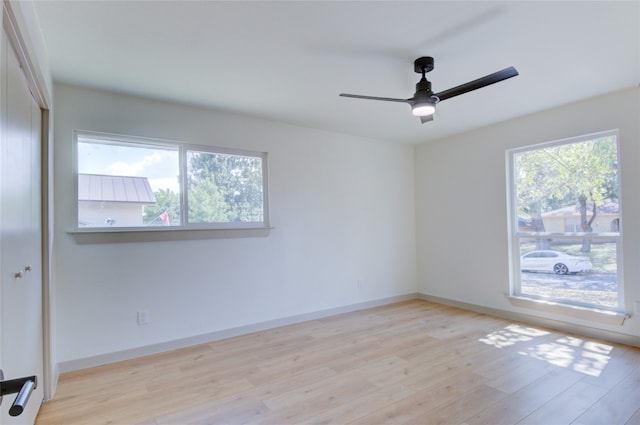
point(105, 199)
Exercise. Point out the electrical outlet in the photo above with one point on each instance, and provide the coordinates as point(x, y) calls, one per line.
point(143, 317)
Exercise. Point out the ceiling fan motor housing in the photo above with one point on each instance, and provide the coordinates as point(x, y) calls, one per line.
point(423, 89)
point(423, 92)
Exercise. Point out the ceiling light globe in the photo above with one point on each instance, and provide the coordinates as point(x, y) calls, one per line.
point(423, 109)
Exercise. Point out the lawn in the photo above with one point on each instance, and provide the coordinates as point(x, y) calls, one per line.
point(594, 297)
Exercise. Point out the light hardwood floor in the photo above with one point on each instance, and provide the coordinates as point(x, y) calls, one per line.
point(413, 362)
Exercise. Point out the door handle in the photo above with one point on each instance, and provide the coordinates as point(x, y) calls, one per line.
point(23, 386)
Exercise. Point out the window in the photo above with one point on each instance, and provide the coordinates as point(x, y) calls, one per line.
point(565, 222)
point(127, 183)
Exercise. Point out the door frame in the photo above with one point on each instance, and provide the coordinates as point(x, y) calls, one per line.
point(16, 21)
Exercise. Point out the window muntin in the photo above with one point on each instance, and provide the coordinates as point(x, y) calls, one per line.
point(126, 183)
point(565, 209)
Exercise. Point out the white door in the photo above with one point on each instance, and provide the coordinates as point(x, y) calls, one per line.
point(21, 348)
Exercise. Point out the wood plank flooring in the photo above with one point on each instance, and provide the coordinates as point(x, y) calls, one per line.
point(413, 362)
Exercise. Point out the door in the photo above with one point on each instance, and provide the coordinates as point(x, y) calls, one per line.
point(21, 342)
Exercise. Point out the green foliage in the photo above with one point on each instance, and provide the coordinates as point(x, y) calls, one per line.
point(166, 201)
point(557, 176)
point(206, 203)
point(220, 188)
point(224, 188)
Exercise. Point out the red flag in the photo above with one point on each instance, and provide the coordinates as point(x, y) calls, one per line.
point(165, 218)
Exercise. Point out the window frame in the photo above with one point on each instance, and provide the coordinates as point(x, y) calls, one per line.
point(182, 149)
point(515, 234)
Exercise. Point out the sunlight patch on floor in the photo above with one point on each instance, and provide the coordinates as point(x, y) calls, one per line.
point(512, 335)
point(584, 356)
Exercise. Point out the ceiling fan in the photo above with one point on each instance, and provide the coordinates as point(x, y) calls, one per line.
point(423, 103)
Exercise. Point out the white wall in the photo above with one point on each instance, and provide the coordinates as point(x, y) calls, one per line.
point(461, 205)
point(342, 208)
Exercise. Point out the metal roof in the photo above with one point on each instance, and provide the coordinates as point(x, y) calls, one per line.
point(103, 188)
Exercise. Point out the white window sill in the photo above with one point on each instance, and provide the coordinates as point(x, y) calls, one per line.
point(178, 234)
point(591, 314)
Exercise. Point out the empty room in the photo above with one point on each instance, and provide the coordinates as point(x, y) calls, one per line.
point(319, 212)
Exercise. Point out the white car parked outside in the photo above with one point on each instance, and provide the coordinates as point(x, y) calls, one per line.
point(554, 261)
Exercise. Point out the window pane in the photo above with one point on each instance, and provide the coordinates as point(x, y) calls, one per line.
point(570, 274)
point(567, 194)
point(127, 184)
point(224, 188)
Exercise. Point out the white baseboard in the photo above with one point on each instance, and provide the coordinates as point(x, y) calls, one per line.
point(539, 321)
point(102, 359)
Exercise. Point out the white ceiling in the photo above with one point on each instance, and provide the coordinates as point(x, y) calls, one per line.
point(289, 60)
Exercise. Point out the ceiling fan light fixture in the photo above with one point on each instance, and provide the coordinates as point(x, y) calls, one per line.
point(424, 100)
point(423, 109)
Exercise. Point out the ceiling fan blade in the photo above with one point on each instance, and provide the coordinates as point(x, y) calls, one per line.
point(426, 118)
point(478, 84)
point(386, 99)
